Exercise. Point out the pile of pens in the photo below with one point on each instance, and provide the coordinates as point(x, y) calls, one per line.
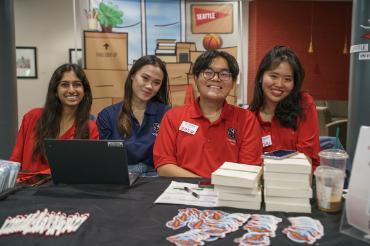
point(43, 223)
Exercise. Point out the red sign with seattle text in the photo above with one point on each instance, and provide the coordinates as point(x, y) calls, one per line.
point(203, 16)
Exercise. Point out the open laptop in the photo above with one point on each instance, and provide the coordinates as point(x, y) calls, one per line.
point(86, 161)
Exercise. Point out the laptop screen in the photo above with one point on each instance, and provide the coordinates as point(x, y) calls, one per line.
point(85, 161)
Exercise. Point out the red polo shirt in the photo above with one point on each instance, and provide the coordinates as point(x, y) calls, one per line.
point(25, 142)
point(234, 137)
point(305, 139)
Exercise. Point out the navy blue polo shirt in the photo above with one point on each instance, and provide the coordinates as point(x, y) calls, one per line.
point(140, 144)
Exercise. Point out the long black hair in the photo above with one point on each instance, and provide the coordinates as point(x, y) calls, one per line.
point(124, 120)
point(289, 109)
point(48, 126)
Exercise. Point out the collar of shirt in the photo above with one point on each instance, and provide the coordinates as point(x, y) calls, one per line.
point(150, 109)
point(70, 133)
point(196, 112)
point(263, 123)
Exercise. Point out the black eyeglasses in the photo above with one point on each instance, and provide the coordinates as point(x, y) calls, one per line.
point(223, 75)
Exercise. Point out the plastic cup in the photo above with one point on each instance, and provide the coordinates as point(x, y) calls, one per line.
point(329, 188)
point(336, 158)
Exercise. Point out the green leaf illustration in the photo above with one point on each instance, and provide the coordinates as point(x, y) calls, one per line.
point(109, 15)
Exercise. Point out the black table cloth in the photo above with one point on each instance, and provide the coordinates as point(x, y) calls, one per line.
point(128, 216)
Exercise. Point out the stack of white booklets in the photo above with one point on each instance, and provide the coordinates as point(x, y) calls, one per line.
point(287, 185)
point(238, 185)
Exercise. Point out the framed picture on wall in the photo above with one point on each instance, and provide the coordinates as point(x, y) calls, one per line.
point(75, 56)
point(212, 18)
point(26, 62)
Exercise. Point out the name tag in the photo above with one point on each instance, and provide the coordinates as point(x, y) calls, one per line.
point(266, 141)
point(188, 127)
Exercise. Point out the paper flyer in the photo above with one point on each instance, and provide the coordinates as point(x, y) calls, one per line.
point(358, 200)
point(188, 194)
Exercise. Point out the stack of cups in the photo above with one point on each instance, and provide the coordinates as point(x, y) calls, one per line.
point(330, 179)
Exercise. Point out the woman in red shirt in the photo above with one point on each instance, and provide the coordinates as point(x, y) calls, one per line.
point(65, 116)
point(287, 116)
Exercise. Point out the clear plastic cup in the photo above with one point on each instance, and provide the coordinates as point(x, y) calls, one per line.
point(334, 158)
point(13, 173)
point(329, 188)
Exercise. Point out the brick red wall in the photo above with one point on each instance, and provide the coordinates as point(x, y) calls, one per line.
point(273, 22)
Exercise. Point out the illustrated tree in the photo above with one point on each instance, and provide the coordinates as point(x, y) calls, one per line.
point(109, 16)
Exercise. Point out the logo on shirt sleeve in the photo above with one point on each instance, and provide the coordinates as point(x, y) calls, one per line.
point(155, 129)
point(231, 134)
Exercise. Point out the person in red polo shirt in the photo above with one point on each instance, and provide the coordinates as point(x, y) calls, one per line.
point(195, 139)
point(287, 116)
point(66, 115)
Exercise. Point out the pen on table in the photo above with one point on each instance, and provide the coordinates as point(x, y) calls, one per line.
point(182, 188)
point(196, 195)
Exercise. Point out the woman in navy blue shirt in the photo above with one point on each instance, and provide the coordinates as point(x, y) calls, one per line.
point(136, 119)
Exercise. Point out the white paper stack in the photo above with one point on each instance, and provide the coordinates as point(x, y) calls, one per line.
point(238, 185)
point(287, 185)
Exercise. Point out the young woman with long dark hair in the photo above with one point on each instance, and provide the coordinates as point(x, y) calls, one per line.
point(287, 116)
point(65, 115)
point(137, 118)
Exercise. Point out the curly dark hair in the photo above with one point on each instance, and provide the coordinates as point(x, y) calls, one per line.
point(48, 126)
point(289, 109)
point(124, 118)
